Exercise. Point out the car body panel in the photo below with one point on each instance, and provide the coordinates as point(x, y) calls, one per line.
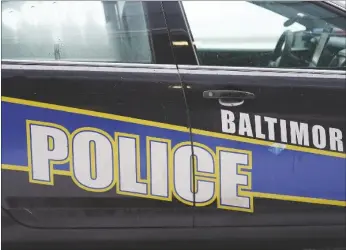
point(279, 171)
point(282, 174)
point(295, 190)
point(106, 91)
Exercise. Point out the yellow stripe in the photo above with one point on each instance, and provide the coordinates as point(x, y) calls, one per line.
point(93, 159)
point(267, 143)
point(26, 169)
point(255, 194)
point(50, 143)
point(61, 172)
point(14, 168)
point(166, 126)
point(93, 113)
point(299, 199)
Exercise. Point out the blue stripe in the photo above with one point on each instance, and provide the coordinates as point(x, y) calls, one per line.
point(284, 172)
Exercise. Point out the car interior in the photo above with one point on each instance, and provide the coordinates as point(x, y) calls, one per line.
point(321, 45)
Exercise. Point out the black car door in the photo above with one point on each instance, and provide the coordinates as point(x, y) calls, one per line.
point(267, 129)
point(92, 106)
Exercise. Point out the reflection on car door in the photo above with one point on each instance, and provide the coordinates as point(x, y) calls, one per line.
point(287, 162)
point(268, 143)
point(72, 97)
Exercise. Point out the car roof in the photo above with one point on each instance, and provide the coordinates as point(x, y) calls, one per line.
point(339, 3)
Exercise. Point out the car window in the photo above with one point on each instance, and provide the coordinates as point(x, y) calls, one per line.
point(264, 34)
point(238, 22)
point(110, 31)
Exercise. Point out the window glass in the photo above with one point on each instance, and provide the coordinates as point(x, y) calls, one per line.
point(110, 31)
point(265, 34)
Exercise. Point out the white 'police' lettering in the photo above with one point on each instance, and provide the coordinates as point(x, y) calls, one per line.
point(229, 171)
point(92, 160)
point(47, 144)
point(182, 166)
point(205, 169)
point(129, 169)
point(159, 167)
point(195, 175)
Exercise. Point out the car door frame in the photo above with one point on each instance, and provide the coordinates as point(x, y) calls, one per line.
point(164, 65)
point(187, 63)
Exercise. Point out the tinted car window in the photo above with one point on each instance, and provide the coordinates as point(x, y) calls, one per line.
point(113, 31)
point(247, 34)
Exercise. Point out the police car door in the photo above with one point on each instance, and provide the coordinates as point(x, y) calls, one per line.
point(92, 107)
point(267, 126)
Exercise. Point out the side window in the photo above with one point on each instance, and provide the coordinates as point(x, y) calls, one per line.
point(110, 31)
point(266, 34)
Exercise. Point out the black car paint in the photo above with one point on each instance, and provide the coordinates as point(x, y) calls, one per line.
point(153, 97)
point(308, 99)
point(128, 94)
point(131, 92)
point(290, 98)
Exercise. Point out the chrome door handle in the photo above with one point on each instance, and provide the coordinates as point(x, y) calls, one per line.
point(229, 98)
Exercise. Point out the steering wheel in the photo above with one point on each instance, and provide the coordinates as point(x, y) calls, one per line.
point(324, 38)
point(282, 53)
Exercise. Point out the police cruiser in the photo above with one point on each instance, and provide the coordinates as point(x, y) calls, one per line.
point(142, 122)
